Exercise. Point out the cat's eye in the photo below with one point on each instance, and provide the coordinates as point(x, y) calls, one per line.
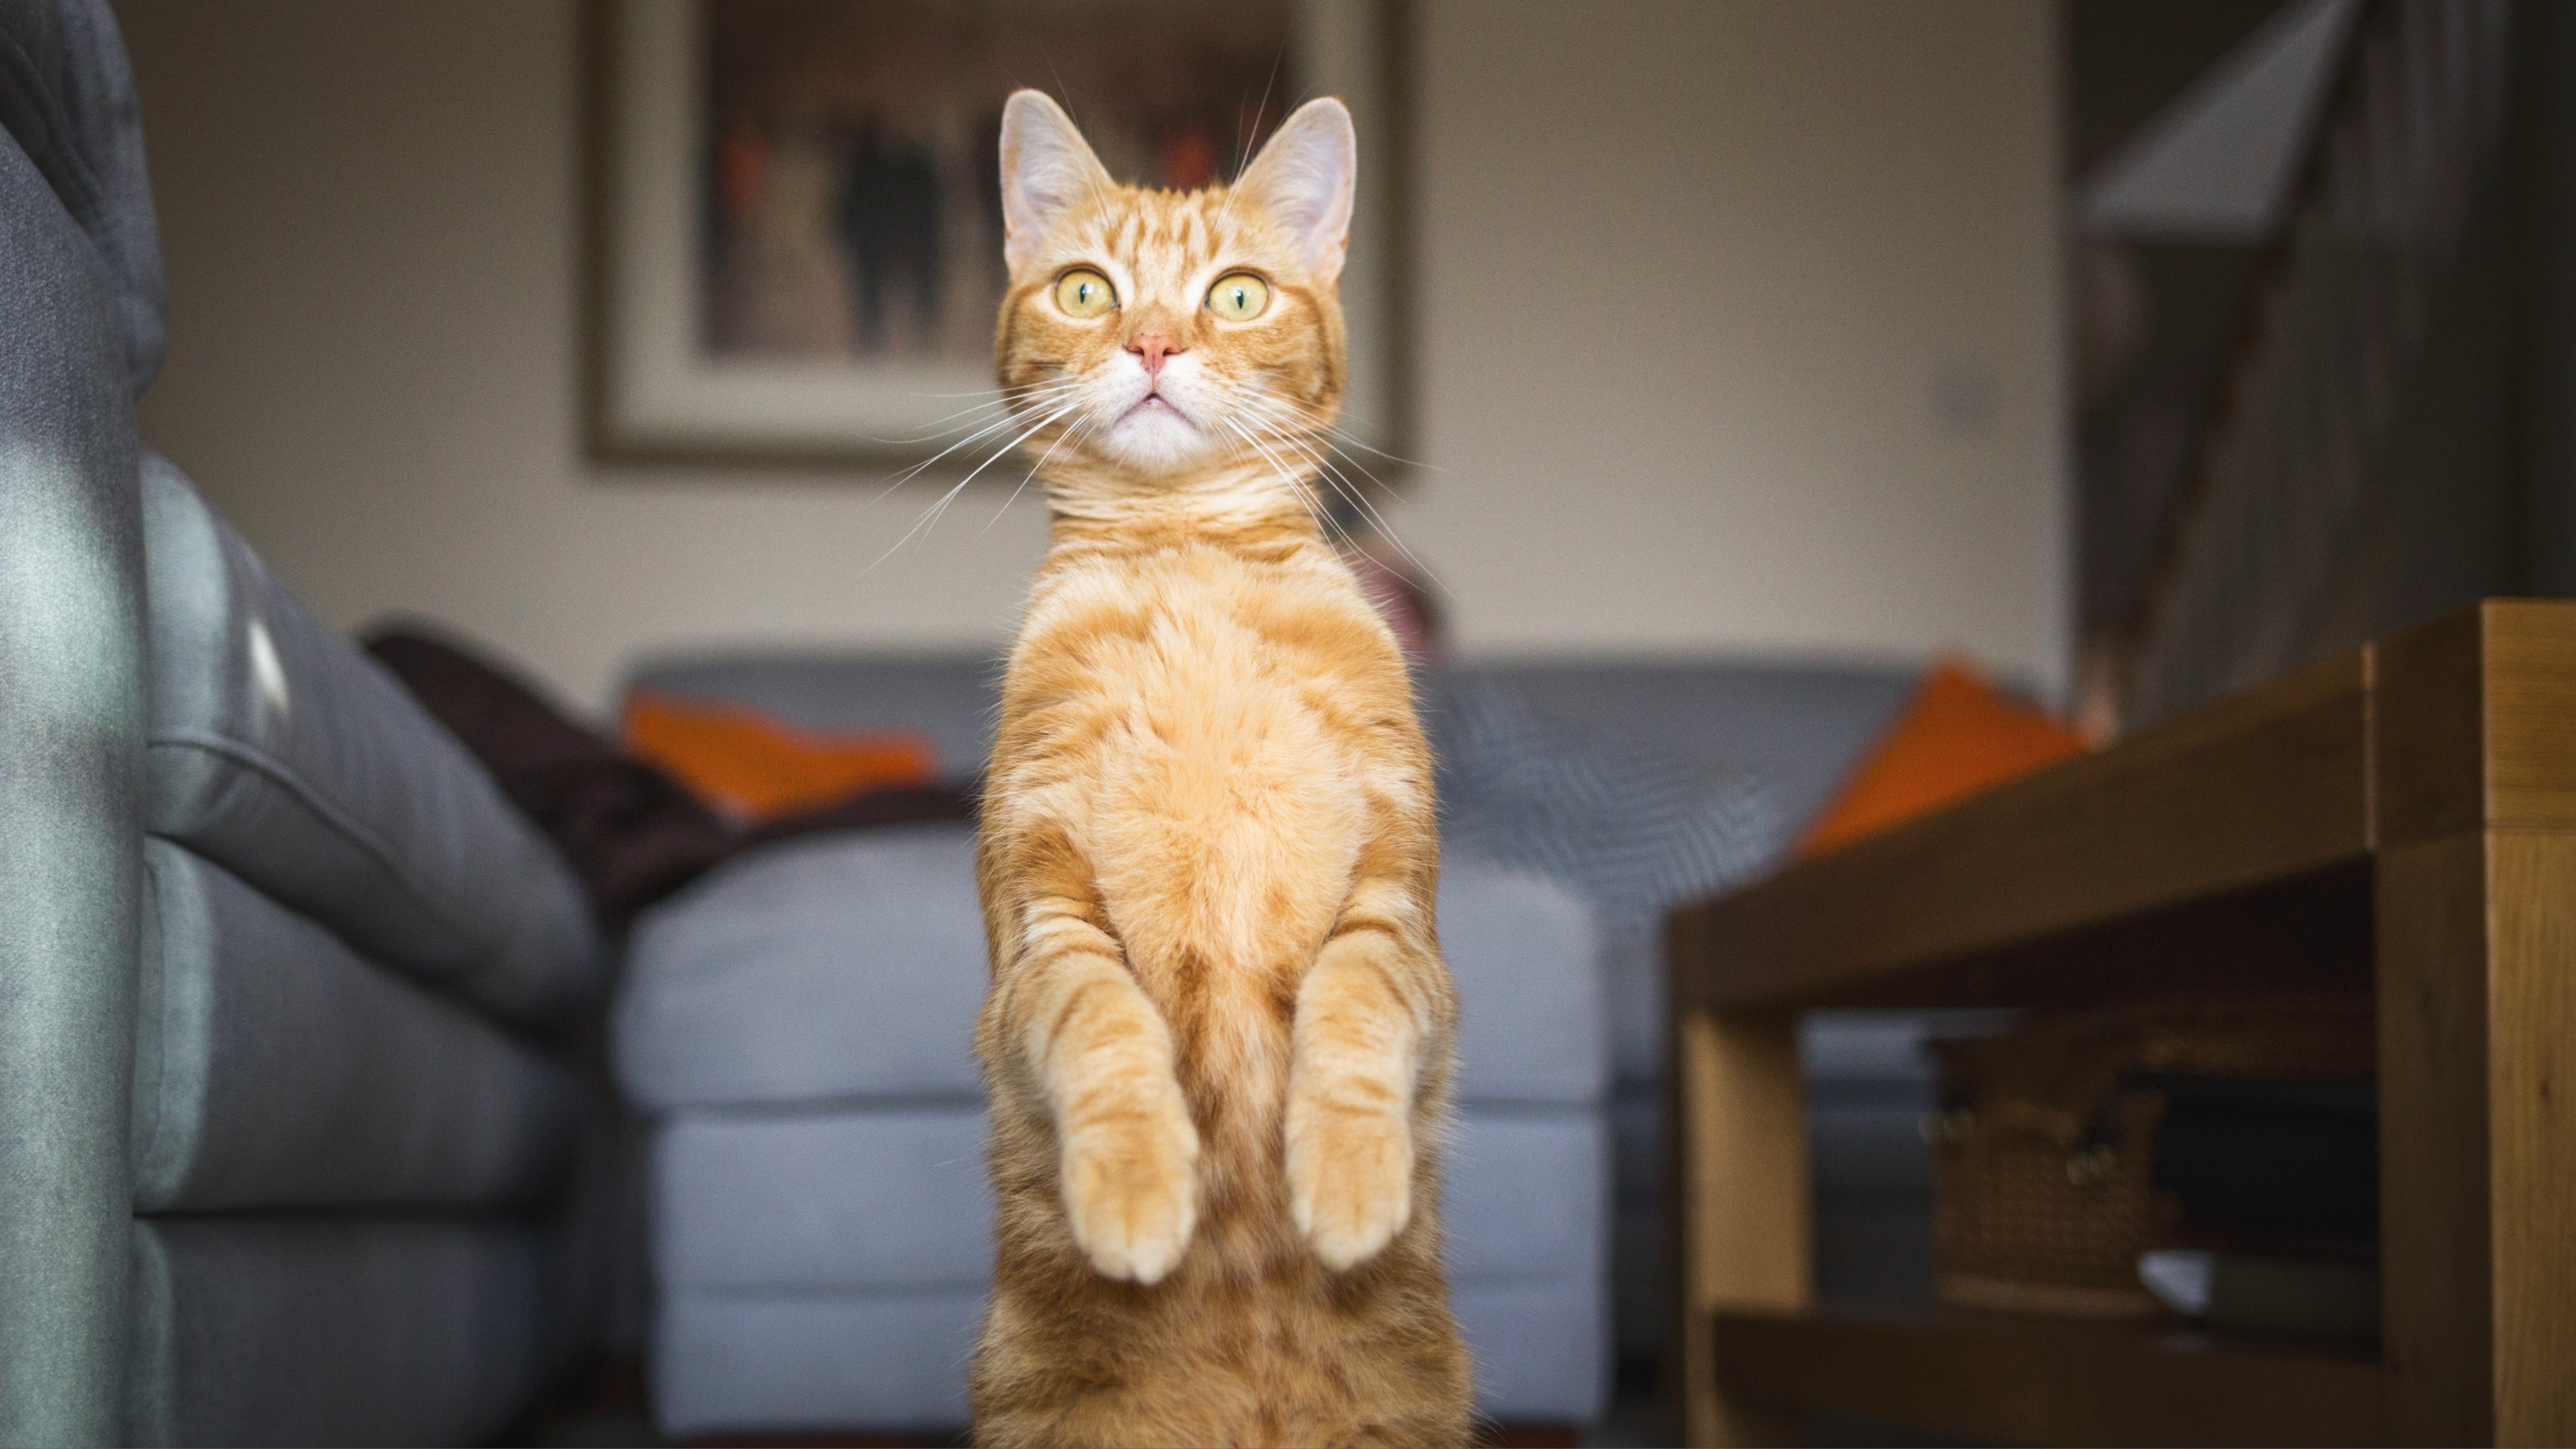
point(1084, 294)
point(1239, 297)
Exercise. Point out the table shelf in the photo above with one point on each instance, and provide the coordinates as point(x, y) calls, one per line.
point(2028, 1380)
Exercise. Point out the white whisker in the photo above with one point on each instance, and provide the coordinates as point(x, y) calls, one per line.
point(1304, 492)
point(979, 392)
point(1006, 399)
point(908, 474)
point(1336, 432)
point(1270, 410)
point(1278, 408)
point(932, 516)
point(1355, 442)
point(1067, 436)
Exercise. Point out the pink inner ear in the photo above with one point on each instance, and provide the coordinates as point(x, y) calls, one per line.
point(1047, 170)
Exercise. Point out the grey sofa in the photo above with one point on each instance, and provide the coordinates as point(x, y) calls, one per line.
point(795, 1029)
point(282, 1149)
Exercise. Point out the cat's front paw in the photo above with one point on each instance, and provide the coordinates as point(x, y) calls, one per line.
point(1350, 1180)
point(1131, 1191)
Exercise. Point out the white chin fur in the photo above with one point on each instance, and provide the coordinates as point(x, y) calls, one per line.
point(1159, 438)
point(1155, 438)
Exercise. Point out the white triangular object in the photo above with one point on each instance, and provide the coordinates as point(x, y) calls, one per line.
point(2215, 165)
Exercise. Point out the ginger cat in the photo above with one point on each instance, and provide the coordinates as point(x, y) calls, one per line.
point(1219, 1034)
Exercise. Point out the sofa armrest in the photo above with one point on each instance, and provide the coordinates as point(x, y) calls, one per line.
point(1526, 957)
point(71, 751)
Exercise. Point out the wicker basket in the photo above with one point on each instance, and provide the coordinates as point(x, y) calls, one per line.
point(2045, 1144)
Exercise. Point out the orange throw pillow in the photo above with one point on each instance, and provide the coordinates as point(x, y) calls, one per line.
point(1958, 737)
point(758, 768)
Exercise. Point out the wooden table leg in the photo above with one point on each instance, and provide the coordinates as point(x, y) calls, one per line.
point(2435, 1252)
point(2531, 1125)
point(2477, 937)
point(1746, 1226)
point(2473, 725)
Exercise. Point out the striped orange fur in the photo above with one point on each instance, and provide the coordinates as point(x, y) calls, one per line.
point(1219, 1035)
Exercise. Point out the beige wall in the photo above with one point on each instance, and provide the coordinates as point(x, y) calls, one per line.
point(1737, 333)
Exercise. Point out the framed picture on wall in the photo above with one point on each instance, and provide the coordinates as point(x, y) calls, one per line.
point(795, 228)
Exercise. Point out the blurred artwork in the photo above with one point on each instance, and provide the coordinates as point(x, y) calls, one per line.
point(852, 209)
point(796, 231)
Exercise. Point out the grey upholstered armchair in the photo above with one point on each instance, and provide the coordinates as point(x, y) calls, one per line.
point(281, 1141)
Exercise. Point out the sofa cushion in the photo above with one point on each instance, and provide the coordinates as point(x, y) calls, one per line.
point(879, 1199)
point(852, 967)
point(1798, 727)
point(1634, 832)
point(752, 1362)
point(273, 1068)
point(1525, 1196)
point(747, 1363)
point(333, 1329)
point(280, 752)
point(1541, 1348)
point(1527, 962)
point(838, 966)
point(896, 1198)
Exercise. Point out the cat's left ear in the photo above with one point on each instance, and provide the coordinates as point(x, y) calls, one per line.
point(1304, 178)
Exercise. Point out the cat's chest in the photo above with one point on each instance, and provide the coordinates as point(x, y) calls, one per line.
point(1214, 725)
point(1253, 682)
point(1225, 792)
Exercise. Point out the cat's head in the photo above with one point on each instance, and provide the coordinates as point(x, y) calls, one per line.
point(1170, 333)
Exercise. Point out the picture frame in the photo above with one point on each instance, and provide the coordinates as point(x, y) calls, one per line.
point(796, 284)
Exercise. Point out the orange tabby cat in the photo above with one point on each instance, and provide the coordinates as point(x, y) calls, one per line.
point(1218, 1039)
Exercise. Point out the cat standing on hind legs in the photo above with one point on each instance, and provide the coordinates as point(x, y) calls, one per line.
point(1219, 1034)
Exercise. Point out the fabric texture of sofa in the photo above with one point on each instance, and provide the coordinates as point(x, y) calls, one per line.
point(282, 1146)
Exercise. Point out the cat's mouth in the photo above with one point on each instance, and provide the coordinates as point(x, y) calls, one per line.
point(1154, 405)
point(1159, 431)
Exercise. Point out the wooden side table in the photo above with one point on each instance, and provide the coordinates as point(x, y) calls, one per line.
point(2403, 815)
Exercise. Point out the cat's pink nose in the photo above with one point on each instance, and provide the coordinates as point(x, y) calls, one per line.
point(1153, 347)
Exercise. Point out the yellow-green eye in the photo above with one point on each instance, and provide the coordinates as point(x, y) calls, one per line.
point(1084, 294)
point(1239, 297)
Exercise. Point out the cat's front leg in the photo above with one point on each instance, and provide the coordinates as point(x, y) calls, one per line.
point(1361, 1018)
point(1128, 1153)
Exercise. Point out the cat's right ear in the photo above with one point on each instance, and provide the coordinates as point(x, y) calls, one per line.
point(1047, 171)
